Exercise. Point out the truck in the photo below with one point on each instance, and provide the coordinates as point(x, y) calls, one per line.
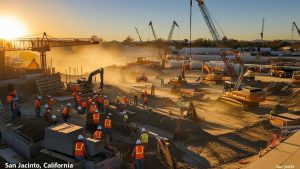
point(283, 71)
point(296, 77)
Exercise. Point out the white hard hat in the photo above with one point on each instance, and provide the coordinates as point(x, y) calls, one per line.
point(143, 129)
point(138, 142)
point(46, 106)
point(80, 137)
point(97, 111)
point(79, 108)
point(69, 104)
point(16, 99)
point(79, 93)
point(107, 117)
point(109, 114)
point(39, 97)
point(53, 116)
point(99, 128)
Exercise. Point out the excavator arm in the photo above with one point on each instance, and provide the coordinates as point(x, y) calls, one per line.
point(100, 71)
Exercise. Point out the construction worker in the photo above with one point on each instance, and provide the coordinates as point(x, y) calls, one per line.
point(135, 97)
point(162, 81)
point(138, 154)
point(96, 118)
point(153, 89)
point(79, 110)
point(106, 105)
point(98, 133)
point(14, 93)
point(125, 100)
point(83, 106)
point(78, 100)
point(108, 129)
point(53, 120)
point(9, 100)
point(75, 93)
point(125, 119)
point(90, 100)
point(79, 150)
point(144, 138)
point(50, 102)
point(47, 113)
point(93, 107)
point(100, 103)
point(146, 100)
point(37, 106)
point(16, 113)
point(66, 112)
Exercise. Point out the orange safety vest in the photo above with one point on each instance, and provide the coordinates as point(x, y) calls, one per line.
point(139, 152)
point(78, 99)
point(9, 98)
point(106, 102)
point(66, 111)
point(93, 108)
point(50, 102)
point(79, 149)
point(37, 104)
point(83, 104)
point(96, 118)
point(125, 100)
point(107, 123)
point(97, 135)
point(14, 93)
point(146, 99)
point(100, 100)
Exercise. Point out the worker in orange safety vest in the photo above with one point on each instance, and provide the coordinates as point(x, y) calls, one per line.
point(106, 105)
point(146, 100)
point(138, 154)
point(79, 149)
point(37, 106)
point(66, 112)
point(93, 107)
point(96, 118)
point(98, 133)
point(83, 106)
point(125, 100)
point(108, 129)
point(9, 100)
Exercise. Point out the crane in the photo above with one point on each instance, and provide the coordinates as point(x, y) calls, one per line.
point(295, 25)
point(42, 45)
point(138, 34)
point(262, 29)
point(172, 30)
point(151, 25)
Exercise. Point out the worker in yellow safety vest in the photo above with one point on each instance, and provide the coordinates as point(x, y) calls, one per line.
point(98, 133)
point(79, 150)
point(138, 154)
point(144, 138)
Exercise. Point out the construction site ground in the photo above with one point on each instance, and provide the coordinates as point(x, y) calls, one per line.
point(224, 134)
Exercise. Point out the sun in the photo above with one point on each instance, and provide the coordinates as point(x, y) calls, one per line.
point(11, 27)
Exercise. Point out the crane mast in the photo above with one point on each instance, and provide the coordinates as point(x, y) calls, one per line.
point(151, 25)
point(138, 34)
point(262, 29)
point(172, 30)
point(295, 25)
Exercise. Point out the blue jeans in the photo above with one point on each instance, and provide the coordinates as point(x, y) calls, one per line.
point(139, 163)
point(14, 114)
point(38, 112)
point(108, 132)
point(79, 158)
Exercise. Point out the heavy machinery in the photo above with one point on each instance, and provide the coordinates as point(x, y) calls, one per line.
point(85, 85)
point(154, 35)
point(212, 74)
point(283, 71)
point(296, 77)
point(141, 77)
point(138, 34)
point(232, 90)
point(172, 30)
point(295, 26)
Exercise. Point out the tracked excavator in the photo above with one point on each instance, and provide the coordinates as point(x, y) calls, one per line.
point(213, 74)
point(85, 85)
point(233, 90)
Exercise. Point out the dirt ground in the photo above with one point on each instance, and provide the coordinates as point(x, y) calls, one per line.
point(225, 133)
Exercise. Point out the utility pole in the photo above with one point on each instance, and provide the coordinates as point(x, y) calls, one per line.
point(191, 5)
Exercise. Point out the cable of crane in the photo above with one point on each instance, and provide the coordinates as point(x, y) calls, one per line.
point(27, 36)
point(220, 28)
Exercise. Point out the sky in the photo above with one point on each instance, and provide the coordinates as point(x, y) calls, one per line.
point(116, 19)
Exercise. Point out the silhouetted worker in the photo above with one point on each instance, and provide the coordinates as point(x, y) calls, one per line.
point(162, 81)
point(135, 97)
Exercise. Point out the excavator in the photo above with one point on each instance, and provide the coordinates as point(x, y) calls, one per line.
point(215, 74)
point(233, 90)
point(85, 85)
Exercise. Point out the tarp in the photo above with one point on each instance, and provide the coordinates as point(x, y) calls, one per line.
point(33, 65)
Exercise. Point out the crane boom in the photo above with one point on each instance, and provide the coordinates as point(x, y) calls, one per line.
point(262, 29)
point(42, 45)
point(138, 34)
point(295, 25)
point(151, 25)
point(172, 30)
point(209, 22)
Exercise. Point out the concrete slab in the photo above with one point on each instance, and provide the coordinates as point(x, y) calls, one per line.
point(94, 147)
point(285, 155)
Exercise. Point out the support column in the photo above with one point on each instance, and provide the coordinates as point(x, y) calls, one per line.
point(2, 61)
